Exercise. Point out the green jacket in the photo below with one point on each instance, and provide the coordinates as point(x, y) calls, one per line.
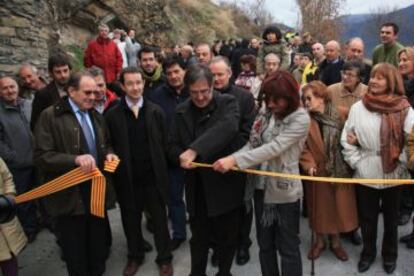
point(58, 138)
point(279, 49)
point(386, 54)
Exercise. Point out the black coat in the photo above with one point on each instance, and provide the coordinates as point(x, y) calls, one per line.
point(43, 99)
point(157, 138)
point(211, 136)
point(330, 73)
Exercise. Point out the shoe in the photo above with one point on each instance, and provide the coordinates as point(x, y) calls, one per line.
point(242, 256)
point(131, 268)
point(407, 238)
point(389, 267)
point(353, 237)
point(339, 253)
point(166, 270)
point(147, 246)
point(410, 244)
point(175, 243)
point(364, 265)
point(316, 251)
point(214, 259)
point(403, 219)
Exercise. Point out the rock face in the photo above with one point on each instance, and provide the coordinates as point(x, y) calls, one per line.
point(32, 29)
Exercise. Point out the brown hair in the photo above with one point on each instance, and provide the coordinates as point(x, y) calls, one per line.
point(249, 59)
point(319, 89)
point(281, 84)
point(395, 84)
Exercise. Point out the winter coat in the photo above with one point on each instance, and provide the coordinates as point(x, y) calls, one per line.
point(279, 49)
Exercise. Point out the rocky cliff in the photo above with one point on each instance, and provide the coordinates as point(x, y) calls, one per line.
point(31, 29)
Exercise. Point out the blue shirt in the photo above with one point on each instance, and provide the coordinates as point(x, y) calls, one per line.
point(77, 111)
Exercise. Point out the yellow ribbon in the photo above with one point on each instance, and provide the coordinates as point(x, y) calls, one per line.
point(317, 178)
point(73, 178)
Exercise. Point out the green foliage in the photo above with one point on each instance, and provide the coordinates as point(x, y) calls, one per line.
point(76, 53)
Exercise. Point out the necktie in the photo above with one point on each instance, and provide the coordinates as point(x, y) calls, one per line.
point(135, 110)
point(87, 132)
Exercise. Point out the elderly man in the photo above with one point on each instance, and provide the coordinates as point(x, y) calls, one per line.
point(204, 53)
point(31, 81)
point(204, 128)
point(222, 72)
point(16, 149)
point(329, 71)
point(354, 51)
point(318, 52)
point(104, 53)
point(389, 47)
point(72, 134)
point(59, 67)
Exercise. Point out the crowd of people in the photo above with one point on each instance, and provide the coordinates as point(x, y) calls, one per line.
point(280, 103)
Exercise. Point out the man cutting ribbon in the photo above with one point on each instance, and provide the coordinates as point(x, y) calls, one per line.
point(72, 134)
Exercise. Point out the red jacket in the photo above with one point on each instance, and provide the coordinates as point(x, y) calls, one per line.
point(110, 97)
point(105, 54)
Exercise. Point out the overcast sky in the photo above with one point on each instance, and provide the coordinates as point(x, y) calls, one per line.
point(286, 11)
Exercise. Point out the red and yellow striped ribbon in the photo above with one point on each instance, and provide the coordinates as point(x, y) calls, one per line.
point(73, 178)
point(318, 178)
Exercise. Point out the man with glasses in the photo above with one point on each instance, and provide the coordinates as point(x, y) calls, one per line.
point(72, 134)
point(203, 130)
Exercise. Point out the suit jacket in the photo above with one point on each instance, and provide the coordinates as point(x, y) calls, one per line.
point(157, 138)
point(211, 136)
point(43, 99)
point(58, 140)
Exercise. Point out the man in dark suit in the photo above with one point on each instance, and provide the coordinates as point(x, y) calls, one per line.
point(139, 136)
point(72, 134)
point(222, 72)
point(59, 69)
point(204, 129)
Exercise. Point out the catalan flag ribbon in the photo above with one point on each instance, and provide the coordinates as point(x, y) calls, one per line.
point(73, 178)
point(317, 178)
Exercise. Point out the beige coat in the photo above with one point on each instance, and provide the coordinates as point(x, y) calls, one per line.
point(342, 99)
point(12, 237)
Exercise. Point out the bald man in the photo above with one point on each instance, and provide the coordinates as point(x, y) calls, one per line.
point(30, 81)
point(329, 71)
point(203, 53)
point(354, 51)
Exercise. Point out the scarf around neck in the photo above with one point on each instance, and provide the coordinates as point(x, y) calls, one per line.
point(155, 76)
point(393, 110)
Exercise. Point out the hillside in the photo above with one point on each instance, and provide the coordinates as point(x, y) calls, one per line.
point(31, 29)
point(366, 26)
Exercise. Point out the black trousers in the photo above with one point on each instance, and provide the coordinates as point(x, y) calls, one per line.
point(82, 239)
point(369, 200)
point(281, 237)
point(147, 194)
point(223, 229)
point(244, 240)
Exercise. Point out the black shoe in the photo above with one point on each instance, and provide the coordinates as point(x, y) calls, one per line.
point(389, 267)
point(364, 265)
point(214, 259)
point(242, 256)
point(403, 219)
point(407, 238)
point(410, 244)
point(175, 243)
point(354, 237)
point(147, 246)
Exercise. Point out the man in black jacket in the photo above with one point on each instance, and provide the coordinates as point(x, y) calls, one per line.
point(329, 70)
point(204, 129)
point(139, 136)
point(168, 96)
point(59, 69)
point(222, 72)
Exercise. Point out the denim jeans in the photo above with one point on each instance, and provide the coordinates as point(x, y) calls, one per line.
point(282, 237)
point(177, 206)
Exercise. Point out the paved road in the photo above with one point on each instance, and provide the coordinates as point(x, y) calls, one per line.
point(42, 257)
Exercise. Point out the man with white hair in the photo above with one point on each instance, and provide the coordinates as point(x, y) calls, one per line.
point(30, 81)
point(329, 71)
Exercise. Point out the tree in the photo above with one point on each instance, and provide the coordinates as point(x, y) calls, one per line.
point(320, 18)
